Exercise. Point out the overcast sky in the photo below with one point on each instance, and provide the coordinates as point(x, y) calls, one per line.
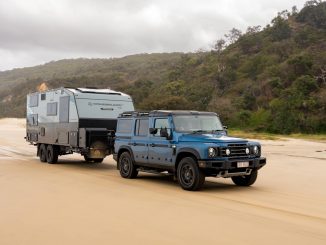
point(33, 32)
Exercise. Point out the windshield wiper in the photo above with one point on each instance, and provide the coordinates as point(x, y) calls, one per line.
point(199, 131)
point(217, 130)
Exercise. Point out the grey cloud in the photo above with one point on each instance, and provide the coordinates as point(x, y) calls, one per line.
point(34, 32)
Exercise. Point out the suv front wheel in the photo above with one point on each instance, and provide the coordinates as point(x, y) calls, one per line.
point(190, 176)
point(127, 168)
point(245, 180)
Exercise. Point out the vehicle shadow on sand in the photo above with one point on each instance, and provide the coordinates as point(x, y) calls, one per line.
point(80, 164)
point(212, 186)
point(209, 185)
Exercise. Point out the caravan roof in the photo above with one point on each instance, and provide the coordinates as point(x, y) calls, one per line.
point(95, 91)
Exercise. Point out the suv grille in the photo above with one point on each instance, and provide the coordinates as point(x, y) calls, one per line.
point(237, 151)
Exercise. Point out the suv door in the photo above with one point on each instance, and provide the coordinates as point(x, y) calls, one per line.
point(139, 141)
point(159, 149)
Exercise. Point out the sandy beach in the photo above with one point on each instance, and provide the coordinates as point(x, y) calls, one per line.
point(74, 202)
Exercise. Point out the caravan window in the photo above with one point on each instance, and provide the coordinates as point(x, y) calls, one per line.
point(51, 109)
point(33, 100)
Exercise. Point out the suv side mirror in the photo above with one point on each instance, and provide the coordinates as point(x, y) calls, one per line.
point(225, 129)
point(153, 130)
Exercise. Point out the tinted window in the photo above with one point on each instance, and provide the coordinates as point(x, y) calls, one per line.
point(161, 123)
point(141, 127)
point(124, 126)
point(33, 100)
point(51, 109)
point(191, 123)
point(43, 96)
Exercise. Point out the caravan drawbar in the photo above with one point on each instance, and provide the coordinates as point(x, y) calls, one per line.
point(67, 120)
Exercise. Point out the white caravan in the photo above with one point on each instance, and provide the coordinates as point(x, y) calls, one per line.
point(66, 120)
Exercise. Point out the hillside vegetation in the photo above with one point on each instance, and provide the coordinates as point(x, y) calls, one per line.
point(102, 73)
point(269, 79)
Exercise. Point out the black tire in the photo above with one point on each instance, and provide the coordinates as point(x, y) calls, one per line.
point(190, 176)
point(93, 160)
point(245, 180)
point(127, 167)
point(52, 154)
point(42, 153)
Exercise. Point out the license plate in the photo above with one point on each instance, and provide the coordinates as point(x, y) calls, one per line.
point(243, 164)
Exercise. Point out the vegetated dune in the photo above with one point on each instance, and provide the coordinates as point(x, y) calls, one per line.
point(73, 202)
point(270, 79)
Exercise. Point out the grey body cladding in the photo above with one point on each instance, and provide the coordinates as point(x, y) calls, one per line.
point(74, 119)
point(57, 133)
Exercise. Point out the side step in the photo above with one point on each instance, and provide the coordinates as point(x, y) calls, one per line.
point(152, 171)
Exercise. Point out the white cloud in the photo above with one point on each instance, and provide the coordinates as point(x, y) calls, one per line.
point(37, 31)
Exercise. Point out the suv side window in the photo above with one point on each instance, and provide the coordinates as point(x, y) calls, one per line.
point(161, 123)
point(142, 127)
point(124, 126)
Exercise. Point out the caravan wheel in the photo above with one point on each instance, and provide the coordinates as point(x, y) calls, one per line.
point(42, 153)
point(52, 154)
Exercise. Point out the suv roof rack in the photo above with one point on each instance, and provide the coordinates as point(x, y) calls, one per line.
point(134, 114)
point(162, 113)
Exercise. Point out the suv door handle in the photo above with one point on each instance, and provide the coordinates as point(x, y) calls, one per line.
point(152, 145)
point(134, 144)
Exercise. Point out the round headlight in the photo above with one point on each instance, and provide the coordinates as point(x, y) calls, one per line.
point(247, 151)
point(256, 150)
point(227, 151)
point(211, 152)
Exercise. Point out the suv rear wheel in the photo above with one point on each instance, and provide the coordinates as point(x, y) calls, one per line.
point(190, 176)
point(245, 180)
point(127, 168)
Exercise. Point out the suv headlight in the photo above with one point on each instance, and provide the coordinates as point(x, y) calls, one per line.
point(211, 152)
point(247, 151)
point(227, 151)
point(256, 150)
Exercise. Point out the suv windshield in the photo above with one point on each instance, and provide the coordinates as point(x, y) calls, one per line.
point(197, 123)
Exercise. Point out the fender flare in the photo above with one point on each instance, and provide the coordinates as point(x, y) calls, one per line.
point(188, 150)
point(125, 148)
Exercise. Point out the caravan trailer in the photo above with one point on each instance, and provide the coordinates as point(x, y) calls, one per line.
point(67, 120)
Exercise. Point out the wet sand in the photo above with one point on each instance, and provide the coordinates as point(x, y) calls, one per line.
point(73, 202)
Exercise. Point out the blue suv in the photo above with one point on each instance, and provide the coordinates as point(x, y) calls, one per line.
point(188, 144)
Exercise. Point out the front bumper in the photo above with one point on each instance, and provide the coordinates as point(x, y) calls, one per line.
point(231, 164)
